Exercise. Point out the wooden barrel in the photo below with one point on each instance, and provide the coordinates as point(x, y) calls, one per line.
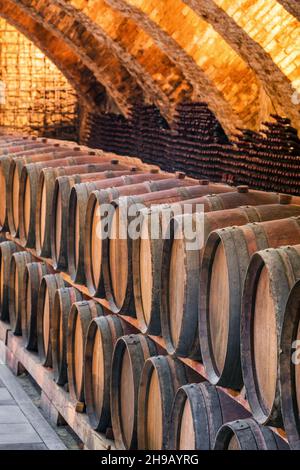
point(289, 365)
point(63, 300)
point(95, 224)
point(225, 260)
point(22, 147)
point(7, 249)
point(45, 191)
point(78, 203)
point(117, 250)
point(198, 412)
point(161, 377)
point(16, 277)
point(129, 357)
point(102, 335)
point(49, 284)
point(246, 434)
point(16, 166)
point(180, 280)
point(28, 185)
point(81, 315)
point(271, 275)
point(29, 294)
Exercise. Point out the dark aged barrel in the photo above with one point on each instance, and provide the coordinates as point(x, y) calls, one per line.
point(198, 412)
point(92, 237)
point(49, 284)
point(38, 162)
point(28, 185)
point(117, 250)
point(102, 335)
point(16, 276)
point(129, 357)
point(180, 279)
point(59, 214)
point(271, 275)
point(246, 434)
point(81, 315)
point(78, 202)
point(225, 261)
point(161, 377)
point(289, 364)
point(29, 294)
point(7, 249)
point(45, 191)
point(63, 300)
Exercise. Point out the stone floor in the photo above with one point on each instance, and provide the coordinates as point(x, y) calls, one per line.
point(22, 427)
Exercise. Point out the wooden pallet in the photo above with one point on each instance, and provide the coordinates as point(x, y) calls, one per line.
point(54, 400)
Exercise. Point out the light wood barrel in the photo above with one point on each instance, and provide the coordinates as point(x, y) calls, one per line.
point(45, 191)
point(29, 294)
point(81, 315)
point(28, 187)
point(117, 251)
point(289, 364)
point(59, 214)
point(49, 285)
point(198, 412)
point(147, 258)
point(63, 300)
point(225, 261)
point(97, 223)
point(180, 279)
point(161, 377)
point(102, 335)
point(78, 203)
point(271, 275)
point(129, 357)
point(246, 434)
point(7, 249)
point(16, 278)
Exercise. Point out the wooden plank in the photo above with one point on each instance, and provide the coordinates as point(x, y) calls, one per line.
point(59, 398)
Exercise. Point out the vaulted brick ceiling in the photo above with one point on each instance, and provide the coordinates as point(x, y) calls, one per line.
point(242, 57)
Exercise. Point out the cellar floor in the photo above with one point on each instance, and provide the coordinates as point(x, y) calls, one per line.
point(21, 424)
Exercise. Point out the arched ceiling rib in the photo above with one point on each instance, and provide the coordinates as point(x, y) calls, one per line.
point(275, 82)
point(90, 92)
point(120, 85)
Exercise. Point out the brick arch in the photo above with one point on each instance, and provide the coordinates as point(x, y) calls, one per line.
point(275, 82)
point(89, 91)
point(119, 84)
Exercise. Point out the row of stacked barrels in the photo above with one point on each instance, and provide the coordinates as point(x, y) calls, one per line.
point(209, 303)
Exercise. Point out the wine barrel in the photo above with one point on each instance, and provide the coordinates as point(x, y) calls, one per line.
point(45, 191)
point(63, 300)
point(129, 357)
point(180, 268)
point(289, 365)
point(29, 296)
point(117, 251)
point(271, 275)
point(49, 284)
point(225, 260)
point(246, 434)
point(95, 224)
point(16, 276)
point(102, 335)
point(78, 203)
point(198, 412)
point(7, 249)
point(81, 315)
point(28, 192)
point(59, 215)
point(161, 377)
point(22, 147)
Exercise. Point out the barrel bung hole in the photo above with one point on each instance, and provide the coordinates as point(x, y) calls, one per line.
point(264, 339)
